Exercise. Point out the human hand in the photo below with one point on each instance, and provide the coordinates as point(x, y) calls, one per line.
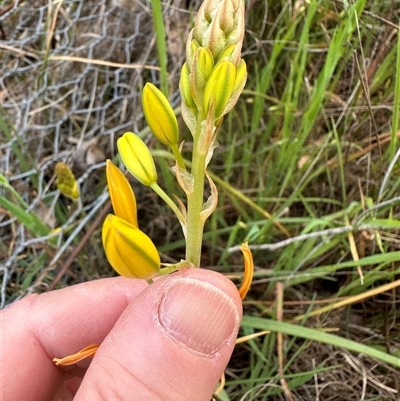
point(167, 341)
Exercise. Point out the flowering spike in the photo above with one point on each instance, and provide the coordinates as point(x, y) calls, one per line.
point(122, 197)
point(159, 115)
point(137, 158)
point(130, 251)
point(248, 270)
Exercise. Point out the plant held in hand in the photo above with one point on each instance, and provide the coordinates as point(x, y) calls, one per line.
point(211, 82)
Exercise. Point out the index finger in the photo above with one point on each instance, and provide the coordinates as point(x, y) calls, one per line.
point(41, 327)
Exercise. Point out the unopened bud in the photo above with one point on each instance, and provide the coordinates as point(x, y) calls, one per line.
point(220, 87)
point(159, 115)
point(137, 158)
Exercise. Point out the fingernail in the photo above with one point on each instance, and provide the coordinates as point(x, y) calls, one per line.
point(198, 315)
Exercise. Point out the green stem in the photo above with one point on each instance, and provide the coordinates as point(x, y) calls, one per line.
point(173, 268)
point(161, 193)
point(178, 156)
point(195, 224)
point(161, 46)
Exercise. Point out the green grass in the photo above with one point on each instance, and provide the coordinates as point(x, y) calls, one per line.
point(297, 145)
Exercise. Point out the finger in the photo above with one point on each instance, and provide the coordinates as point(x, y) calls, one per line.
point(41, 327)
point(172, 342)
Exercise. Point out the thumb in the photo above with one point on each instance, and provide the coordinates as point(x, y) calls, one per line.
point(172, 342)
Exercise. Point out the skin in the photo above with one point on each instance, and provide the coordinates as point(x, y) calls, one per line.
point(168, 341)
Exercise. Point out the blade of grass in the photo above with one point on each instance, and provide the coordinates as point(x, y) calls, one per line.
point(161, 45)
point(32, 222)
point(319, 336)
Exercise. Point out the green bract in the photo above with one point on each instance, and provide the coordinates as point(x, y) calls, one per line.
point(159, 115)
point(137, 158)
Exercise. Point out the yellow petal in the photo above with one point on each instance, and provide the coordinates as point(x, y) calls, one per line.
point(159, 115)
point(122, 196)
point(137, 158)
point(130, 251)
point(248, 270)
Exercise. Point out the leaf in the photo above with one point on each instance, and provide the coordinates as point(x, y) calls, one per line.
point(28, 219)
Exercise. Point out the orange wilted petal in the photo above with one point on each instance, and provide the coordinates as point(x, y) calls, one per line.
point(248, 270)
point(78, 356)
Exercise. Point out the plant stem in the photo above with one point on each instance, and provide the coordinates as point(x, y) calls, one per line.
point(195, 224)
point(161, 193)
point(178, 156)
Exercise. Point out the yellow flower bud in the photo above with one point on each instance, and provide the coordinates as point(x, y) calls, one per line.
point(241, 76)
point(219, 87)
point(130, 251)
point(231, 53)
point(184, 87)
point(66, 181)
point(240, 82)
point(202, 66)
point(159, 115)
point(205, 62)
point(137, 158)
point(191, 46)
point(122, 197)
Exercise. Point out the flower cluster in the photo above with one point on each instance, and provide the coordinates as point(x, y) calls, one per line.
point(214, 74)
point(211, 81)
